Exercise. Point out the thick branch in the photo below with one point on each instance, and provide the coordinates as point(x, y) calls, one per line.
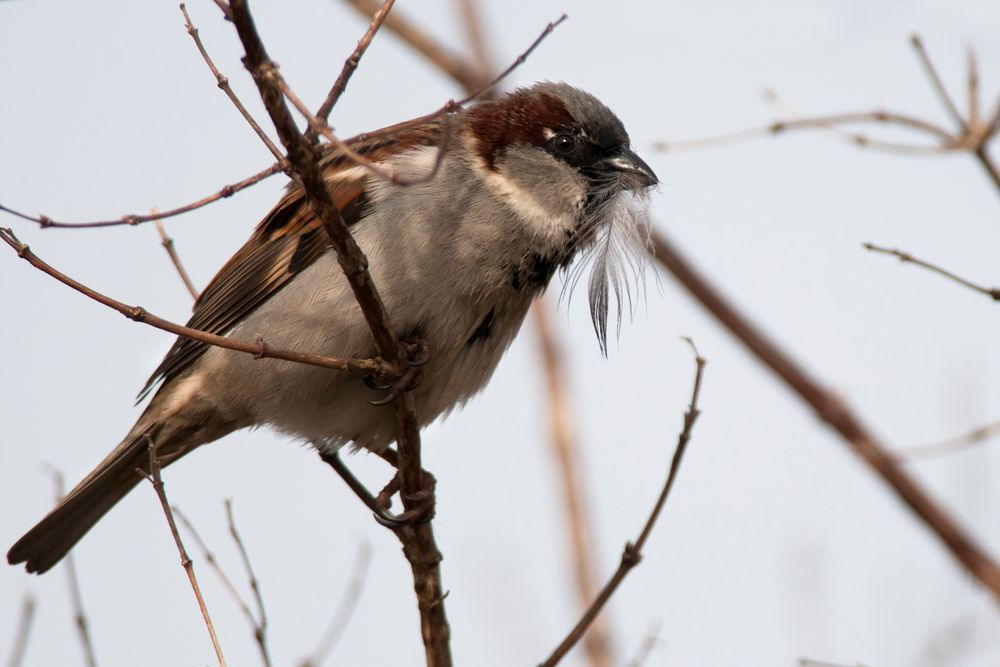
point(831, 410)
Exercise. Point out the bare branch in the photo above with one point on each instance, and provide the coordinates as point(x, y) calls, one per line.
point(951, 445)
point(131, 219)
point(19, 644)
point(905, 257)
point(156, 480)
point(351, 64)
point(947, 141)
point(632, 554)
point(168, 245)
point(260, 628)
point(469, 12)
point(936, 82)
point(259, 348)
point(832, 410)
point(454, 66)
point(76, 598)
point(345, 610)
point(223, 83)
point(650, 642)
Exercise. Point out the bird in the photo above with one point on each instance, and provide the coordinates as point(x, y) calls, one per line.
point(527, 181)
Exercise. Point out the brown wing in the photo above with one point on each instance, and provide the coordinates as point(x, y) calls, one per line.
point(287, 240)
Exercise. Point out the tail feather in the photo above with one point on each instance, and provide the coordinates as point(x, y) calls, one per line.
point(44, 545)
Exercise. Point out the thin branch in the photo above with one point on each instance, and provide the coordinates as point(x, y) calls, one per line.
point(597, 641)
point(936, 82)
point(905, 257)
point(223, 83)
point(131, 219)
point(351, 64)
point(260, 628)
point(19, 645)
point(451, 105)
point(76, 598)
point(951, 445)
point(978, 562)
point(213, 563)
point(809, 662)
point(154, 478)
point(168, 245)
point(632, 554)
point(947, 141)
point(259, 348)
point(972, 87)
point(345, 610)
point(454, 66)
point(469, 12)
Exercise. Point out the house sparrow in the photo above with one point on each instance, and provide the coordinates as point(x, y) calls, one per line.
point(528, 181)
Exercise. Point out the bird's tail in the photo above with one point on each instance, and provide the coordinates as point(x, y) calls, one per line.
point(44, 545)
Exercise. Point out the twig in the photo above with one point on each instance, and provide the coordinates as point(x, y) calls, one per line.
point(472, 22)
point(156, 480)
point(597, 642)
point(946, 141)
point(76, 598)
point(213, 563)
point(19, 645)
point(351, 64)
point(260, 628)
point(223, 83)
point(451, 105)
point(809, 662)
point(168, 245)
point(831, 410)
point(259, 348)
point(131, 219)
point(936, 82)
point(905, 257)
point(345, 610)
point(256, 626)
point(951, 445)
point(632, 554)
point(454, 66)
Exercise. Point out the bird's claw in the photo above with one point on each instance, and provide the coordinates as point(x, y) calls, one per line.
point(422, 504)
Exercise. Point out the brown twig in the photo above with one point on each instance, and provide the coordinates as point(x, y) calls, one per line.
point(469, 12)
point(131, 219)
point(76, 598)
point(345, 610)
point(168, 244)
point(260, 627)
point(223, 83)
point(213, 563)
point(597, 641)
point(936, 82)
point(454, 66)
point(259, 348)
point(154, 478)
point(809, 662)
point(951, 445)
point(351, 64)
point(905, 257)
point(632, 554)
point(831, 410)
point(19, 644)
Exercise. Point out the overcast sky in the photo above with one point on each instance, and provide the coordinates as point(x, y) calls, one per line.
point(777, 543)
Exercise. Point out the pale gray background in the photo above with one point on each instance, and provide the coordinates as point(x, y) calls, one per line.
point(778, 542)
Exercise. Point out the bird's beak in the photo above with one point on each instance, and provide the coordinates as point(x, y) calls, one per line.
point(629, 163)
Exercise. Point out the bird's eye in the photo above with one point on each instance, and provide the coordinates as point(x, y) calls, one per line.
point(564, 143)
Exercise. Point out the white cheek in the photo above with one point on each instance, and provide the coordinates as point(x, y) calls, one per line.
point(535, 214)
